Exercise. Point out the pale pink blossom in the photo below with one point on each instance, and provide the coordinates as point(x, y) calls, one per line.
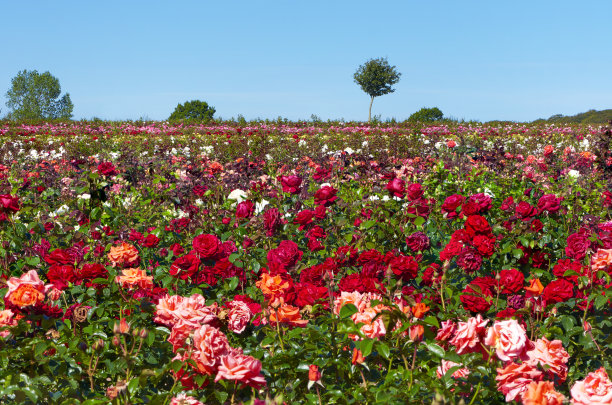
point(509, 340)
point(447, 365)
point(238, 316)
point(7, 319)
point(190, 311)
point(184, 399)
point(446, 331)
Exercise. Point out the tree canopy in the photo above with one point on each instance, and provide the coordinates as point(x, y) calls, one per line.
point(375, 77)
point(427, 115)
point(36, 96)
point(195, 110)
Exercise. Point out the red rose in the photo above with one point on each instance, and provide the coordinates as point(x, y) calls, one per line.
point(511, 281)
point(309, 294)
point(60, 256)
point(507, 204)
point(414, 191)
point(320, 211)
point(550, 203)
point(450, 205)
point(417, 242)
point(428, 275)
point(326, 195)
point(199, 190)
point(272, 221)
point(314, 245)
point(565, 265)
point(150, 241)
point(525, 211)
point(345, 255)
point(396, 187)
point(184, 267)
point(91, 271)
point(469, 260)
point(452, 249)
point(360, 283)
point(577, 246)
point(61, 275)
point(477, 224)
point(536, 225)
point(245, 209)
point(303, 218)
point(206, 246)
point(419, 207)
point(177, 249)
point(107, 169)
point(405, 267)
point(469, 208)
point(8, 203)
point(291, 184)
point(558, 291)
point(485, 244)
point(474, 299)
point(286, 254)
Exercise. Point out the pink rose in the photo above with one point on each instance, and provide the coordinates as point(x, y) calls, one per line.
point(210, 345)
point(468, 335)
point(239, 316)
point(514, 379)
point(509, 339)
point(595, 389)
point(447, 365)
point(242, 368)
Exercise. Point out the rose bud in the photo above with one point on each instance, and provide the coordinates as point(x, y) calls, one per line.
point(313, 373)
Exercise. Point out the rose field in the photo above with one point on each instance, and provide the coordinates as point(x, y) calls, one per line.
point(321, 263)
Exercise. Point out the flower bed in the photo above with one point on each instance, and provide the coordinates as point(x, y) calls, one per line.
point(296, 263)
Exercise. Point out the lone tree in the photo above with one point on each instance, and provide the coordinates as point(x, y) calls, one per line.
point(195, 110)
point(376, 77)
point(35, 96)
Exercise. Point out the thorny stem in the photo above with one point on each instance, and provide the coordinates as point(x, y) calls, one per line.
point(475, 394)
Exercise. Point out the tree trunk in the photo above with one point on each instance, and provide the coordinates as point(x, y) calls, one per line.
point(370, 112)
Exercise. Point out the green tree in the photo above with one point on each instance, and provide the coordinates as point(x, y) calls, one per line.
point(195, 109)
point(35, 96)
point(376, 77)
point(427, 115)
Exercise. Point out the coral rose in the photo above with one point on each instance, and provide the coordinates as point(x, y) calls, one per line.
point(601, 259)
point(241, 368)
point(447, 365)
point(595, 389)
point(7, 319)
point(513, 380)
point(132, 278)
point(542, 393)
point(287, 314)
point(123, 255)
point(210, 345)
point(552, 355)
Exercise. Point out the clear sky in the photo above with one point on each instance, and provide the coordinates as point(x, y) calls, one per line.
point(482, 60)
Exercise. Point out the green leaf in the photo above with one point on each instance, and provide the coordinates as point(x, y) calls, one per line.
point(366, 346)
point(348, 310)
point(435, 349)
point(383, 349)
point(432, 320)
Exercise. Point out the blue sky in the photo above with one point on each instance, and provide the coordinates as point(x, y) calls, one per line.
point(481, 60)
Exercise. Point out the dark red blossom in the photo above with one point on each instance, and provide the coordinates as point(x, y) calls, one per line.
point(326, 195)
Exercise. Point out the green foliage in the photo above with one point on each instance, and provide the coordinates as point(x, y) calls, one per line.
point(589, 117)
point(35, 96)
point(193, 110)
point(427, 115)
point(376, 77)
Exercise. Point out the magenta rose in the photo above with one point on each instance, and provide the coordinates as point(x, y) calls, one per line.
point(469, 260)
point(414, 191)
point(525, 211)
point(150, 241)
point(417, 242)
point(8, 203)
point(291, 184)
point(107, 169)
point(304, 218)
point(550, 203)
point(577, 246)
point(482, 201)
point(326, 195)
point(272, 221)
point(450, 205)
point(396, 187)
point(245, 209)
point(206, 246)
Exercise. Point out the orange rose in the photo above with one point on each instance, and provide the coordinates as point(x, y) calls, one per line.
point(288, 314)
point(272, 286)
point(535, 288)
point(419, 310)
point(26, 295)
point(131, 278)
point(357, 356)
point(542, 393)
point(123, 254)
